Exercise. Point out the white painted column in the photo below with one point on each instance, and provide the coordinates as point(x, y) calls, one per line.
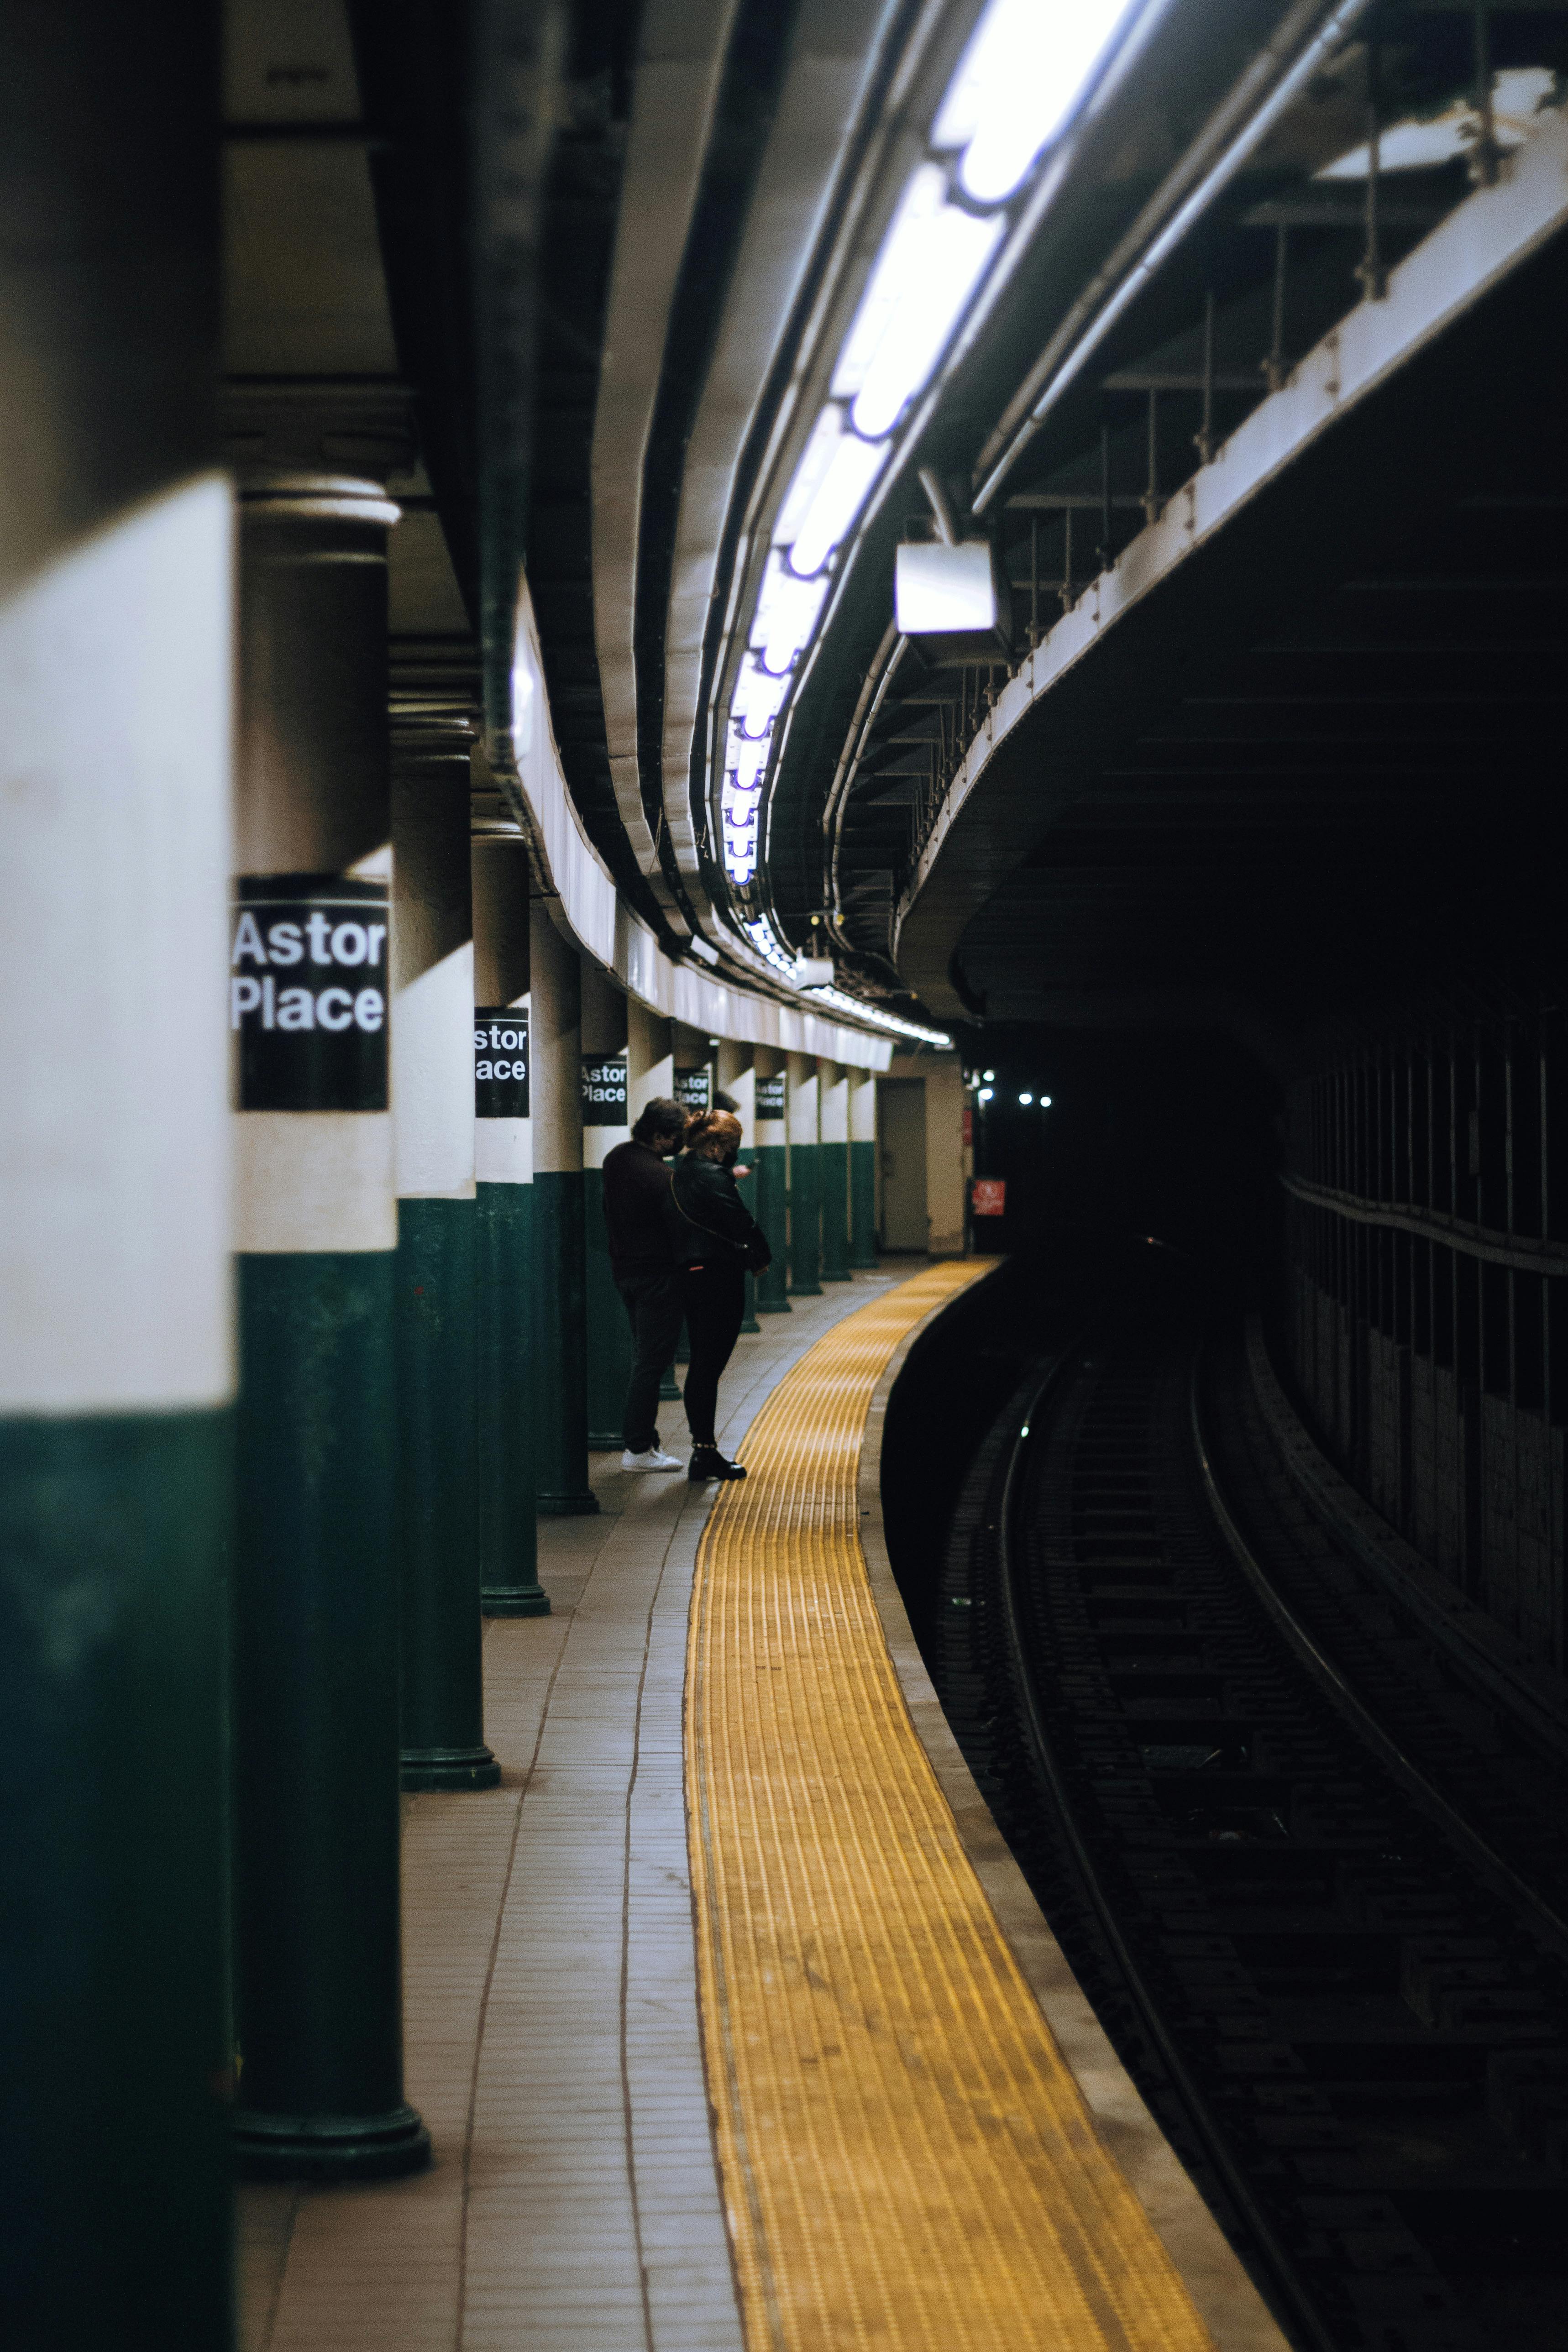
point(651, 1057)
point(805, 1178)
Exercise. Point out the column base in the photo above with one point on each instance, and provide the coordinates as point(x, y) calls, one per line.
point(580, 1506)
point(605, 1441)
point(515, 1601)
point(866, 1265)
point(330, 2148)
point(845, 1275)
point(772, 1306)
point(806, 1289)
point(448, 1768)
point(667, 1391)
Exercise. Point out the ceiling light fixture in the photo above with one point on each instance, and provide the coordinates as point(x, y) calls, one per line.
point(1017, 82)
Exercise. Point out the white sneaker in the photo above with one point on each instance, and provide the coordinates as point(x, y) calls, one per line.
point(652, 1460)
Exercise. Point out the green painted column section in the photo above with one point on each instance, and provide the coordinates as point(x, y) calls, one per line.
point(771, 1161)
point(863, 1206)
point(609, 1341)
point(804, 1180)
point(805, 1221)
point(560, 1283)
point(561, 1391)
point(508, 1539)
point(318, 1932)
point(441, 1680)
point(113, 1540)
point(747, 1188)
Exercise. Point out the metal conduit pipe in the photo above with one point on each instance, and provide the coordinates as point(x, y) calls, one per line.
point(1156, 231)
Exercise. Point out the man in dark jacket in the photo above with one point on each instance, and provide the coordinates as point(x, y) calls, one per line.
point(717, 1239)
point(642, 1228)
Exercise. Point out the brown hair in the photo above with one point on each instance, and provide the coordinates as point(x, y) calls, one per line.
point(711, 1133)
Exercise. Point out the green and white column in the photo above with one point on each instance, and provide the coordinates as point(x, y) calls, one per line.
point(116, 1358)
point(607, 1122)
point(805, 1179)
point(863, 1170)
point(771, 1159)
point(433, 1057)
point(833, 1162)
point(560, 1320)
point(504, 1169)
point(737, 1077)
point(318, 1968)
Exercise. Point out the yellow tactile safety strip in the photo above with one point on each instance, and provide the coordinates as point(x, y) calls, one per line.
point(907, 2160)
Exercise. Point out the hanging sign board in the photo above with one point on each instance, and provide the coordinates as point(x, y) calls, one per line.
point(694, 1087)
point(500, 1061)
point(988, 1196)
point(772, 1095)
point(307, 992)
point(603, 1090)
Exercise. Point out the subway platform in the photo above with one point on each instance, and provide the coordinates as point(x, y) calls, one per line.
point(733, 2021)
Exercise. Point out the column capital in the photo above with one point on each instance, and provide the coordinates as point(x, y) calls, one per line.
point(315, 425)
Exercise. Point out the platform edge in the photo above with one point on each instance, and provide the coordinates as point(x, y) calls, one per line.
point(1221, 2289)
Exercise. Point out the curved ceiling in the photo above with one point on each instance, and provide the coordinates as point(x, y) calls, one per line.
point(814, 280)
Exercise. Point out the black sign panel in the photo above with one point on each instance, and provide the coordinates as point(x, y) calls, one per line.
point(500, 1061)
point(308, 992)
point(771, 1096)
point(694, 1087)
point(603, 1090)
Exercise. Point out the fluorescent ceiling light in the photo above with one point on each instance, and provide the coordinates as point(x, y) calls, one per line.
point(1026, 65)
point(747, 759)
point(931, 261)
point(1424, 146)
point(938, 588)
point(853, 466)
point(785, 615)
point(757, 699)
point(814, 460)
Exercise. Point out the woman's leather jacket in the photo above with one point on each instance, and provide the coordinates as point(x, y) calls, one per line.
point(709, 1222)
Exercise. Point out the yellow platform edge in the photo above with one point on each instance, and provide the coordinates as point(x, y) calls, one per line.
point(907, 2159)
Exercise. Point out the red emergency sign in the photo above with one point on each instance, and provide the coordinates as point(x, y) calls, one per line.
point(989, 1197)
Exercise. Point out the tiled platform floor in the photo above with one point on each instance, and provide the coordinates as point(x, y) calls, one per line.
point(552, 2024)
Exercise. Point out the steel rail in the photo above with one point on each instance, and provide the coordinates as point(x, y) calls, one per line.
point(1287, 2288)
point(1488, 1865)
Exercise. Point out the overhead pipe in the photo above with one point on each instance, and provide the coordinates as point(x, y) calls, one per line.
point(1135, 261)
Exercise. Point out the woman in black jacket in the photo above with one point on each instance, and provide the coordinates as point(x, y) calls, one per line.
point(716, 1239)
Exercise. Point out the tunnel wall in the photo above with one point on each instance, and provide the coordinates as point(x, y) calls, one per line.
point(1426, 1298)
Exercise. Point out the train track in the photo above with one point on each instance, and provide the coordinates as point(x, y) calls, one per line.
point(1317, 1901)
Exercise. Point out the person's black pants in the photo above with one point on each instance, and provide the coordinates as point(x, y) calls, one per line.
point(715, 1299)
point(654, 1307)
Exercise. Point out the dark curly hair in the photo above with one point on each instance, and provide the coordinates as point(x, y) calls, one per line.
point(658, 1116)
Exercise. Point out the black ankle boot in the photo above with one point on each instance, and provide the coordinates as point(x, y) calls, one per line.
point(706, 1462)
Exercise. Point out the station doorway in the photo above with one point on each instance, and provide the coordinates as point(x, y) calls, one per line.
point(902, 1109)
